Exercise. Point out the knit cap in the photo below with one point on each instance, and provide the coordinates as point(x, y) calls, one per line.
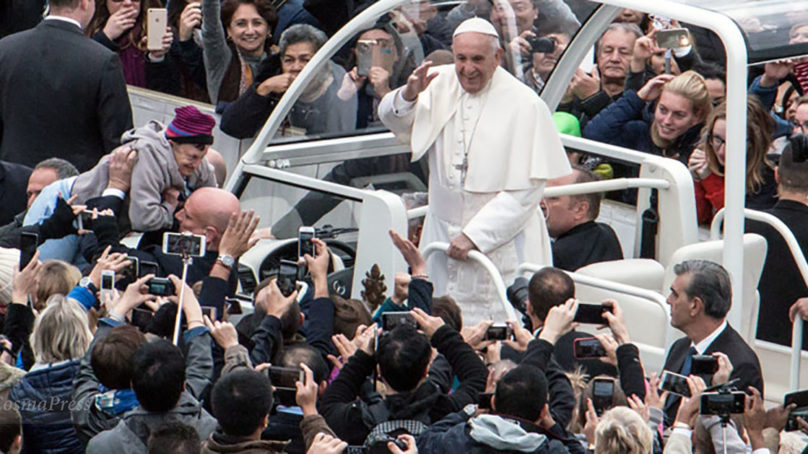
point(191, 126)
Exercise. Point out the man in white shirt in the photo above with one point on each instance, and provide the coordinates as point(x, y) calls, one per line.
point(493, 145)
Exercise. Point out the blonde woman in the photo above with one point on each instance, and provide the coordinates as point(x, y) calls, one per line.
point(622, 431)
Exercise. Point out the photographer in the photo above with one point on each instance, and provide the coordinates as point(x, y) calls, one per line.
point(403, 358)
point(545, 50)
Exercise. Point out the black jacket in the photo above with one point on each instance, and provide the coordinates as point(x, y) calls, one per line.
point(13, 186)
point(427, 403)
point(584, 244)
point(51, 70)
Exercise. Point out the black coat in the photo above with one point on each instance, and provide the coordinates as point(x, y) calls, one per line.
point(61, 94)
point(13, 184)
point(745, 364)
point(586, 243)
point(781, 283)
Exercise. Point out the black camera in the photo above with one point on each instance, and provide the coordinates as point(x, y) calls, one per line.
point(541, 45)
point(517, 294)
point(722, 403)
point(161, 286)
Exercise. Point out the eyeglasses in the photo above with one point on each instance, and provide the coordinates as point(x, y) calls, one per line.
point(716, 142)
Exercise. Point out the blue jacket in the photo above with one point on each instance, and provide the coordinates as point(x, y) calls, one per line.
point(44, 401)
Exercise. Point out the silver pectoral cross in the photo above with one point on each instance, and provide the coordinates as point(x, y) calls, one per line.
point(463, 167)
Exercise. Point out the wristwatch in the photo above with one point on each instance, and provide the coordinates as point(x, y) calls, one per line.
point(87, 283)
point(227, 260)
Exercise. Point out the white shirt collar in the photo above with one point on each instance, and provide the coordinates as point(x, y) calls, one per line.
point(702, 346)
point(65, 19)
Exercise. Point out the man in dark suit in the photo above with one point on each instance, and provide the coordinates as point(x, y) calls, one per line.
point(61, 93)
point(700, 300)
point(13, 184)
point(781, 283)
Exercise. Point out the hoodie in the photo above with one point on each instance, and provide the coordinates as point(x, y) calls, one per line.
point(155, 170)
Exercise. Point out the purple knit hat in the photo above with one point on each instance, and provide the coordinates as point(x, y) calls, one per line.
point(191, 126)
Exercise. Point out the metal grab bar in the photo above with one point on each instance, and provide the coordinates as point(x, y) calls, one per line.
point(417, 212)
point(802, 265)
point(604, 284)
point(616, 184)
point(486, 263)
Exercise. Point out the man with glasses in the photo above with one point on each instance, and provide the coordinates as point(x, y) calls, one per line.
point(167, 164)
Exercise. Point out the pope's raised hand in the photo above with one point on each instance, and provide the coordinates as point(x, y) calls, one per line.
point(418, 81)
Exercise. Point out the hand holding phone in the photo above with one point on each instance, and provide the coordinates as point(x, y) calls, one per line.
point(588, 348)
point(183, 244)
point(304, 244)
point(674, 383)
point(498, 332)
point(157, 24)
point(592, 313)
point(287, 277)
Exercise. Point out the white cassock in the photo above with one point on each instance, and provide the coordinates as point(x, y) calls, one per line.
point(490, 155)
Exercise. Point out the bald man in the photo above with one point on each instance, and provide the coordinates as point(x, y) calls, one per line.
point(207, 212)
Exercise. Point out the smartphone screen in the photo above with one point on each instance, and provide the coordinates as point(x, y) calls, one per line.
point(392, 320)
point(675, 383)
point(364, 56)
point(498, 332)
point(284, 378)
point(603, 388)
point(588, 347)
point(592, 313)
point(28, 243)
point(107, 280)
point(287, 277)
point(304, 244)
point(182, 244)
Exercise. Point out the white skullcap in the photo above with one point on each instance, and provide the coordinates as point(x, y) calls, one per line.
point(476, 25)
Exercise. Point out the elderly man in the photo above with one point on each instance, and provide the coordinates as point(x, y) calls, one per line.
point(489, 158)
point(700, 300)
point(578, 239)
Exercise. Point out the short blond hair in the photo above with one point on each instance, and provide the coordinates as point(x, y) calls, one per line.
point(55, 276)
point(622, 431)
point(61, 331)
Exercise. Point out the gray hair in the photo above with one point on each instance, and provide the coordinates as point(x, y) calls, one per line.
point(710, 282)
point(61, 331)
point(302, 33)
point(625, 27)
point(63, 168)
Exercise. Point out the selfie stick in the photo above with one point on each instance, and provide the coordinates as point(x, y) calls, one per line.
point(186, 260)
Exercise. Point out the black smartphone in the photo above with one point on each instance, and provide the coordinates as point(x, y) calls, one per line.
point(602, 394)
point(800, 398)
point(304, 244)
point(287, 277)
point(233, 306)
point(28, 244)
point(722, 403)
point(392, 320)
point(587, 348)
point(704, 365)
point(484, 401)
point(147, 268)
point(210, 311)
point(161, 286)
point(592, 313)
point(284, 378)
point(498, 332)
point(674, 383)
point(141, 318)
point(128, 274)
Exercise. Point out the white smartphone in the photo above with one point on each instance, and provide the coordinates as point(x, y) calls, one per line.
point(156, 25)
point(107, 284)
point(183, 244)
point(304, 244)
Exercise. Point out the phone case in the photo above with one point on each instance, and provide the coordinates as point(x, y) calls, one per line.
point(156, 28)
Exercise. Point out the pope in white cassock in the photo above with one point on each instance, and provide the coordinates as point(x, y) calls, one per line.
point(492, 145)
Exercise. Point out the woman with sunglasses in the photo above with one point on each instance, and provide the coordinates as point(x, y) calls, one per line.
point(706, 163)
point(120, 26)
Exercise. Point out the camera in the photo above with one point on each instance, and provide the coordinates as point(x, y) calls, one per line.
point(517, 294)
point(541, 45)
point(161, 286)
point(722, 403)
point(498, 332)
point(392, 320)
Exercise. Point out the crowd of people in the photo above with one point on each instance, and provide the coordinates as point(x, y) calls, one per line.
point(155, 364)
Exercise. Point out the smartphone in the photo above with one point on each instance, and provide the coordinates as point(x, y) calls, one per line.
point(287, 277)
point(85, 219)
point(587, 348)
point(674, 383)
point(673, 38)
point(184, 244)
point(800, 398)
point(498, 332)
point(210, 311)
point(107, 283)
point(704, 365)
point(131, 271)
point(364, 56)
point(284, 378)
point(146, 267)
point(484, 401)
point(28, 244)
point(602, 394)
point(592, 313)
point(157, 23)
point(304, 244)
point(161, 286)
point(233, 306)
point(392, 320)
point(142, 318)
point(722, 403)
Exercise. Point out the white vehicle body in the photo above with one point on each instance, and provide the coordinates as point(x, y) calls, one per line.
point(263, 170)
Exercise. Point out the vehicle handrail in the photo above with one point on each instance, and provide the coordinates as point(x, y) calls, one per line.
point(485, 262)
point(616, 184)
point(604, 284)
point(802, 265)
